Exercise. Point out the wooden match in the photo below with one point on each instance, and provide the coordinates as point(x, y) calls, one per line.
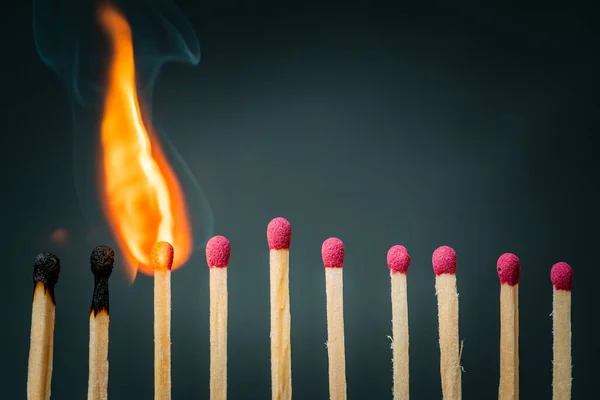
point(162, 261)
point(41, 347)
point(218, 251)
point(509, 272)
point(101, 260)
point(279, 236)
point(398, 262)
point(561, 276)
point(332, 252)
point(444, 267)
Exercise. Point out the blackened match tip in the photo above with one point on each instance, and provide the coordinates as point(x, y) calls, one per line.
point(102, 260)
point(46, 269)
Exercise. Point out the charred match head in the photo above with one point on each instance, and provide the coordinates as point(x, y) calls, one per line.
point(332, 252)
point(509, 269)
point(162, 256)
point(279, 234)
point(46, 269)
point(398, 259)
point(561, 276)
point(218, 251)
point(102, 261)
point(444, 260)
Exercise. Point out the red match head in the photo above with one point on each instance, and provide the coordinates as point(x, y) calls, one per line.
point(279, 234)
point(398, 259)
point(561, 276)
point(444, 260)
point(162, 256)
point(332, 252)
point(218, 251)
point(509, 269)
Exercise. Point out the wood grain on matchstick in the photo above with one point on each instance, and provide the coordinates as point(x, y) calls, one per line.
point(562, 280)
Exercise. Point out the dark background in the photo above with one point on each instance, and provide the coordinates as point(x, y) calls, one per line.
point(464, 125)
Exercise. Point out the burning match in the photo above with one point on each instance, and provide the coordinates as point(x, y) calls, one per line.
point(561, 276)
point(509, 272)
point(218, 251)
point(332, 252)
point(444, 267)
point(162, 261)
point(101, 260)
point(39, 377)
point(398, 262)
point(279, 236)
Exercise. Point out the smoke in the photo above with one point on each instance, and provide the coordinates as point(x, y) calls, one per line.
point(70, 41)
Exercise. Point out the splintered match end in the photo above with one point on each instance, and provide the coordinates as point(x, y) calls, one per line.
point(279, 234)
point(46, 269)
point(218, 252)
point(444, 260)
point(509, 269)
point(332, 252)
point(398, 259)
point(561, 276)
point(162, 256)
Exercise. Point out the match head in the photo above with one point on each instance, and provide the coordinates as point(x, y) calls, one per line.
point(509, 269)
point(444, 260)
point(162, 256)
point(398, 259)
point(561, 276)
point(332, 252)
point(218, 251)
point(102, 260)
point(279, 234)
point(46, 269)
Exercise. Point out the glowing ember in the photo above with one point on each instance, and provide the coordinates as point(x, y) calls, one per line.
point(141, 196)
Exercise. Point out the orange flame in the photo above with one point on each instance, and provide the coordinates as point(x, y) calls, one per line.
point(141, 196)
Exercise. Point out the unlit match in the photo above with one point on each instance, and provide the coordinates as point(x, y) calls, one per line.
point(509, 272)
point(561, 276)
point(101, 260)
point(332, 252)
point(398, 262)
point(218, 252)
point(41, 347)
point(279, 236)
point(162, 261)
point(444, 266)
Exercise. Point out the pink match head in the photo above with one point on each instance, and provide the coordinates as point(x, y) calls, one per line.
point(509, 269)
point(332, 252)
point(279, 234)
point(398, 259)
point(561, 276)
point(218, 251)
point(444, 260)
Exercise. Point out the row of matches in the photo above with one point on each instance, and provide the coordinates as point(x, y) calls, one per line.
point(279, 233)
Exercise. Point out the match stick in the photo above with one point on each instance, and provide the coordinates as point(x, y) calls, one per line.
point(101, 260)
point(45, 275)
point(561, 275)
point(332, 252)
point(444, 266)
point(509, 272)
point(398, 261)
point(279, 236)
point(218, 251)
point(162, 261)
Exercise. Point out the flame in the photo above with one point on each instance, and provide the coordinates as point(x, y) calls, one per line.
point(141, 196)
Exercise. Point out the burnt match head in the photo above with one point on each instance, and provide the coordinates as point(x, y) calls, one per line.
point(398, 259)
point(46, 269)
point(162, 256)
point(444, 260)
point(279, 234)
point(561, 276)
point(332, 252)
point(218, 251)
point(509, 269)
point(102, 260)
